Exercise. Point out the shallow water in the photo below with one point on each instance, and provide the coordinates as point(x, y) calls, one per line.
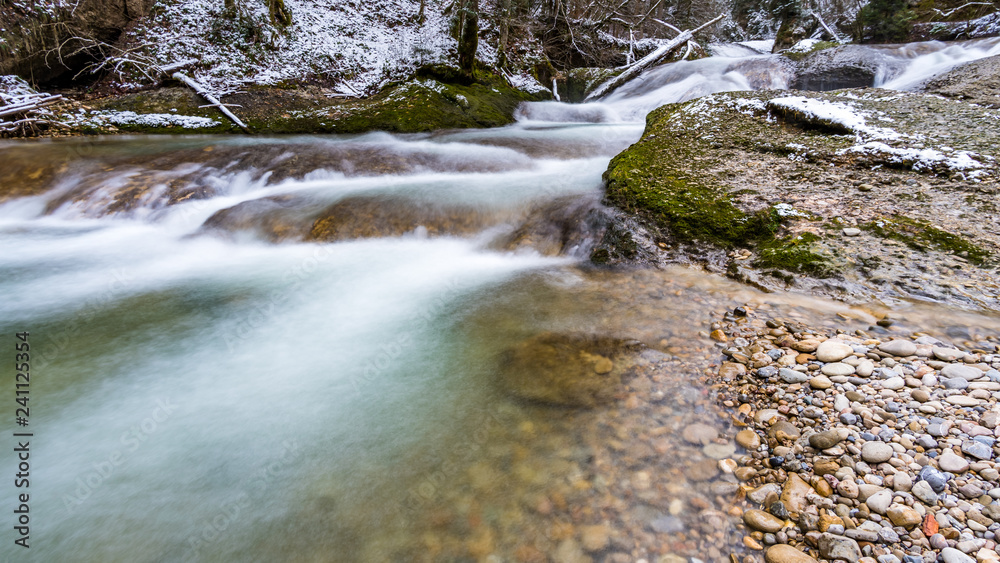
point(210, 395)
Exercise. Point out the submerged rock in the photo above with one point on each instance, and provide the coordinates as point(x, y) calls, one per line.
point(572, 370)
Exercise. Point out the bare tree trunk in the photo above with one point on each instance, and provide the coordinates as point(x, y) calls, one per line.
point(280, 15)
point(468, 39)
point(420, 15)
point(653, 58)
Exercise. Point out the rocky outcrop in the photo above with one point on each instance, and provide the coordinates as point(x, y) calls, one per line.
point(977, 82)
point(858, 194)
point(848, 66)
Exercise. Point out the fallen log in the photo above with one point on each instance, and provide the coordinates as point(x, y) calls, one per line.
point(649, 60)
point(201, 91)
point(22, 107)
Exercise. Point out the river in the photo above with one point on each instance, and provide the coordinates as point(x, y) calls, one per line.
point(218, 377)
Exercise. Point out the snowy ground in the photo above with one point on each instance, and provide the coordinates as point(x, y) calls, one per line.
point(356, 44)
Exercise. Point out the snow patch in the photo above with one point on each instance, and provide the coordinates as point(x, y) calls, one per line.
point(836, 113)
point(919, 159)
point(153, 119)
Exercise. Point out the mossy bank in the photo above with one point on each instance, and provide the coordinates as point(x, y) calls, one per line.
point(779, 189)
point(435, 98)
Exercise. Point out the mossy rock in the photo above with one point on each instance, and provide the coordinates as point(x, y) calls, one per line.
point(922, 235)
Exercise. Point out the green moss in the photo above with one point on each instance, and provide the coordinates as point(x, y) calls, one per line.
point(794, 254)
point(680, 198)
point(799, 55)
point(422, 105)
point(921, 235)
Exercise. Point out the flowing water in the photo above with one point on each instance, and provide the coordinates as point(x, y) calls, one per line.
point(219, 375)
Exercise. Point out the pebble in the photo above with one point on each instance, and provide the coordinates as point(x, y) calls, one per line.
point(963, 371)
point(952, 463)
point(876, 452)
point(902, 515)
point(839, 547)
point(748, 439)
point(825, 440)
point(952, 555)
point(792, 376)
point(783, 553)
point(699, 433)
point(837, 368)
point(833, 350)
point(898, 348)
point(760, 520)
point(851, 231)
point(879, 502)
point(820, 382)
point(977, 449)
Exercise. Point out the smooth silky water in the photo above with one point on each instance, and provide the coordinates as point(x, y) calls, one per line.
point(218, 395)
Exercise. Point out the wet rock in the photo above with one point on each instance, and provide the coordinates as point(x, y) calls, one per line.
point(848, 66)
point(566, 369)
point(699, 434)
point(760, 520)
point(839, 547)
point(783, 431)
point(594, 538)
point(362, 217)
point(976, 82)
point(783, 553)
point(748, 439)
point(794, 493)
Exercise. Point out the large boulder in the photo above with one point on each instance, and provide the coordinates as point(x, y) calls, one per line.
point(848, 66)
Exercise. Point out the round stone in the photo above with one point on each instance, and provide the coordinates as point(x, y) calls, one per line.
point(748, 439)
point(820, 382)
point(947, 354)
point(760, 520)
point(784, 553)
point(824, 440)
point(699, 434)
point(952, 463)
point(792, 376)
point(876, 452)
point(879, 502)
point(894, 383)
point(902, 515)
point(837, 368)
point(898, 347)
point(962, 400)
point(960, 370)
point(833, 350)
